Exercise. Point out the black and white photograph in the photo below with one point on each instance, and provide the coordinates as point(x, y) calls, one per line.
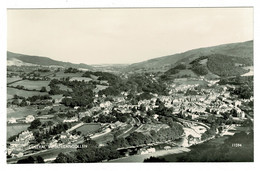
point(130, 85)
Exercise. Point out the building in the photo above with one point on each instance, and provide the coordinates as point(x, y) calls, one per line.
point(11, 121)
point(73, 119)
point(29, 119)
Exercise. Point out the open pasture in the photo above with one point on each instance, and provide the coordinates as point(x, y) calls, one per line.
point(88, 128)
point(31, 85)
point(12, 91)
point(14, 129)
point(21, 112)
point(12, 79)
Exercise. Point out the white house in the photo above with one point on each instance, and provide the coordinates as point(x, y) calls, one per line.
point(29, 119)
point(73, 119)
point(12, 120)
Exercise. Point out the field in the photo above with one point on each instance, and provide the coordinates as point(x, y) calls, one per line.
point(100, 87)
point(12, 91)
point(57, 97)
point(21, 112)
point(15, 129)
point(61, 74)
point(186, 72)
point(88, 128)
point(190, 82)
point(9, 80)
point(31, 85)
point(63, 87)
point(250, 70)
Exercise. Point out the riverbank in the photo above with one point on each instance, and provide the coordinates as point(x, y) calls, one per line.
point(142, 157)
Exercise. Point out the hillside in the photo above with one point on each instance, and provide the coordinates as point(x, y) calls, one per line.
point(242, 49)
point(15, 58)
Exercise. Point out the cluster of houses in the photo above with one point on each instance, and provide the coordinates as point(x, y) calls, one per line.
point(17, 147)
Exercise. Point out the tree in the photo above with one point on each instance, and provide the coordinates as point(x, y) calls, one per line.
point(150, 112)
point(28, 160)
point(211, 118)
point(62, 158)
point(15, 96)
point(142, 108)
point(15, 102)
point(43, 89)
point(35, 124)
point(23, 103)
point(154, 159)
point(39, 159)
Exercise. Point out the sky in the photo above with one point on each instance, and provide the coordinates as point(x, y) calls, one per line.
point(112, 36)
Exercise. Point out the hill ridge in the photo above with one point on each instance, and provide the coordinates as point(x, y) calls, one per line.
point(41, 60)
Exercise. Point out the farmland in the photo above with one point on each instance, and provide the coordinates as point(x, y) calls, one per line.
point(100, 87)
point(20, 112)
point(15, 129)
point(12, 79)
point(63, 87)
point(88, 128)
point(32, 85)
point(61, 74)
point(12, 91)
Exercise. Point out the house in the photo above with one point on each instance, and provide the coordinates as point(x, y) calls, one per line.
point(146, 151)
point(151, 150)
point(16, 153)
point(12, 121)
point(73, 119)
point(26, 135)
point(155, 116)
point(63, 135)
point(237, 103)
point(142, 151)
point(167, 148)
point(29, 119)
point(105, 104)
point(53, 144)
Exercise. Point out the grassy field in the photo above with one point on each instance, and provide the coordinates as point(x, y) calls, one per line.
point(21, 112)
point(185, 73)
point(88, 128)
point(9, 80)
point(12, 91)
point(100, 87)
point(61, 74)
point(57, 96)
point(37, 85)
point(15, 129)
point(63, 87)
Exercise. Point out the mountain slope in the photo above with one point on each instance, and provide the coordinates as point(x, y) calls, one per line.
point(37, 60)
point(242, 49)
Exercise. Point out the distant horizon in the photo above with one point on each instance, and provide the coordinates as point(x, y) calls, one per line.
point(131, 35)
point(129, 63)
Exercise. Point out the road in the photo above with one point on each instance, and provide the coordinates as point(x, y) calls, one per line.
point(100, 139)
point(194, 122)
point(53, 153)
point(135, 121)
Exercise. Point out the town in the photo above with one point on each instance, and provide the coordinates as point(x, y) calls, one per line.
point(57, 114)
